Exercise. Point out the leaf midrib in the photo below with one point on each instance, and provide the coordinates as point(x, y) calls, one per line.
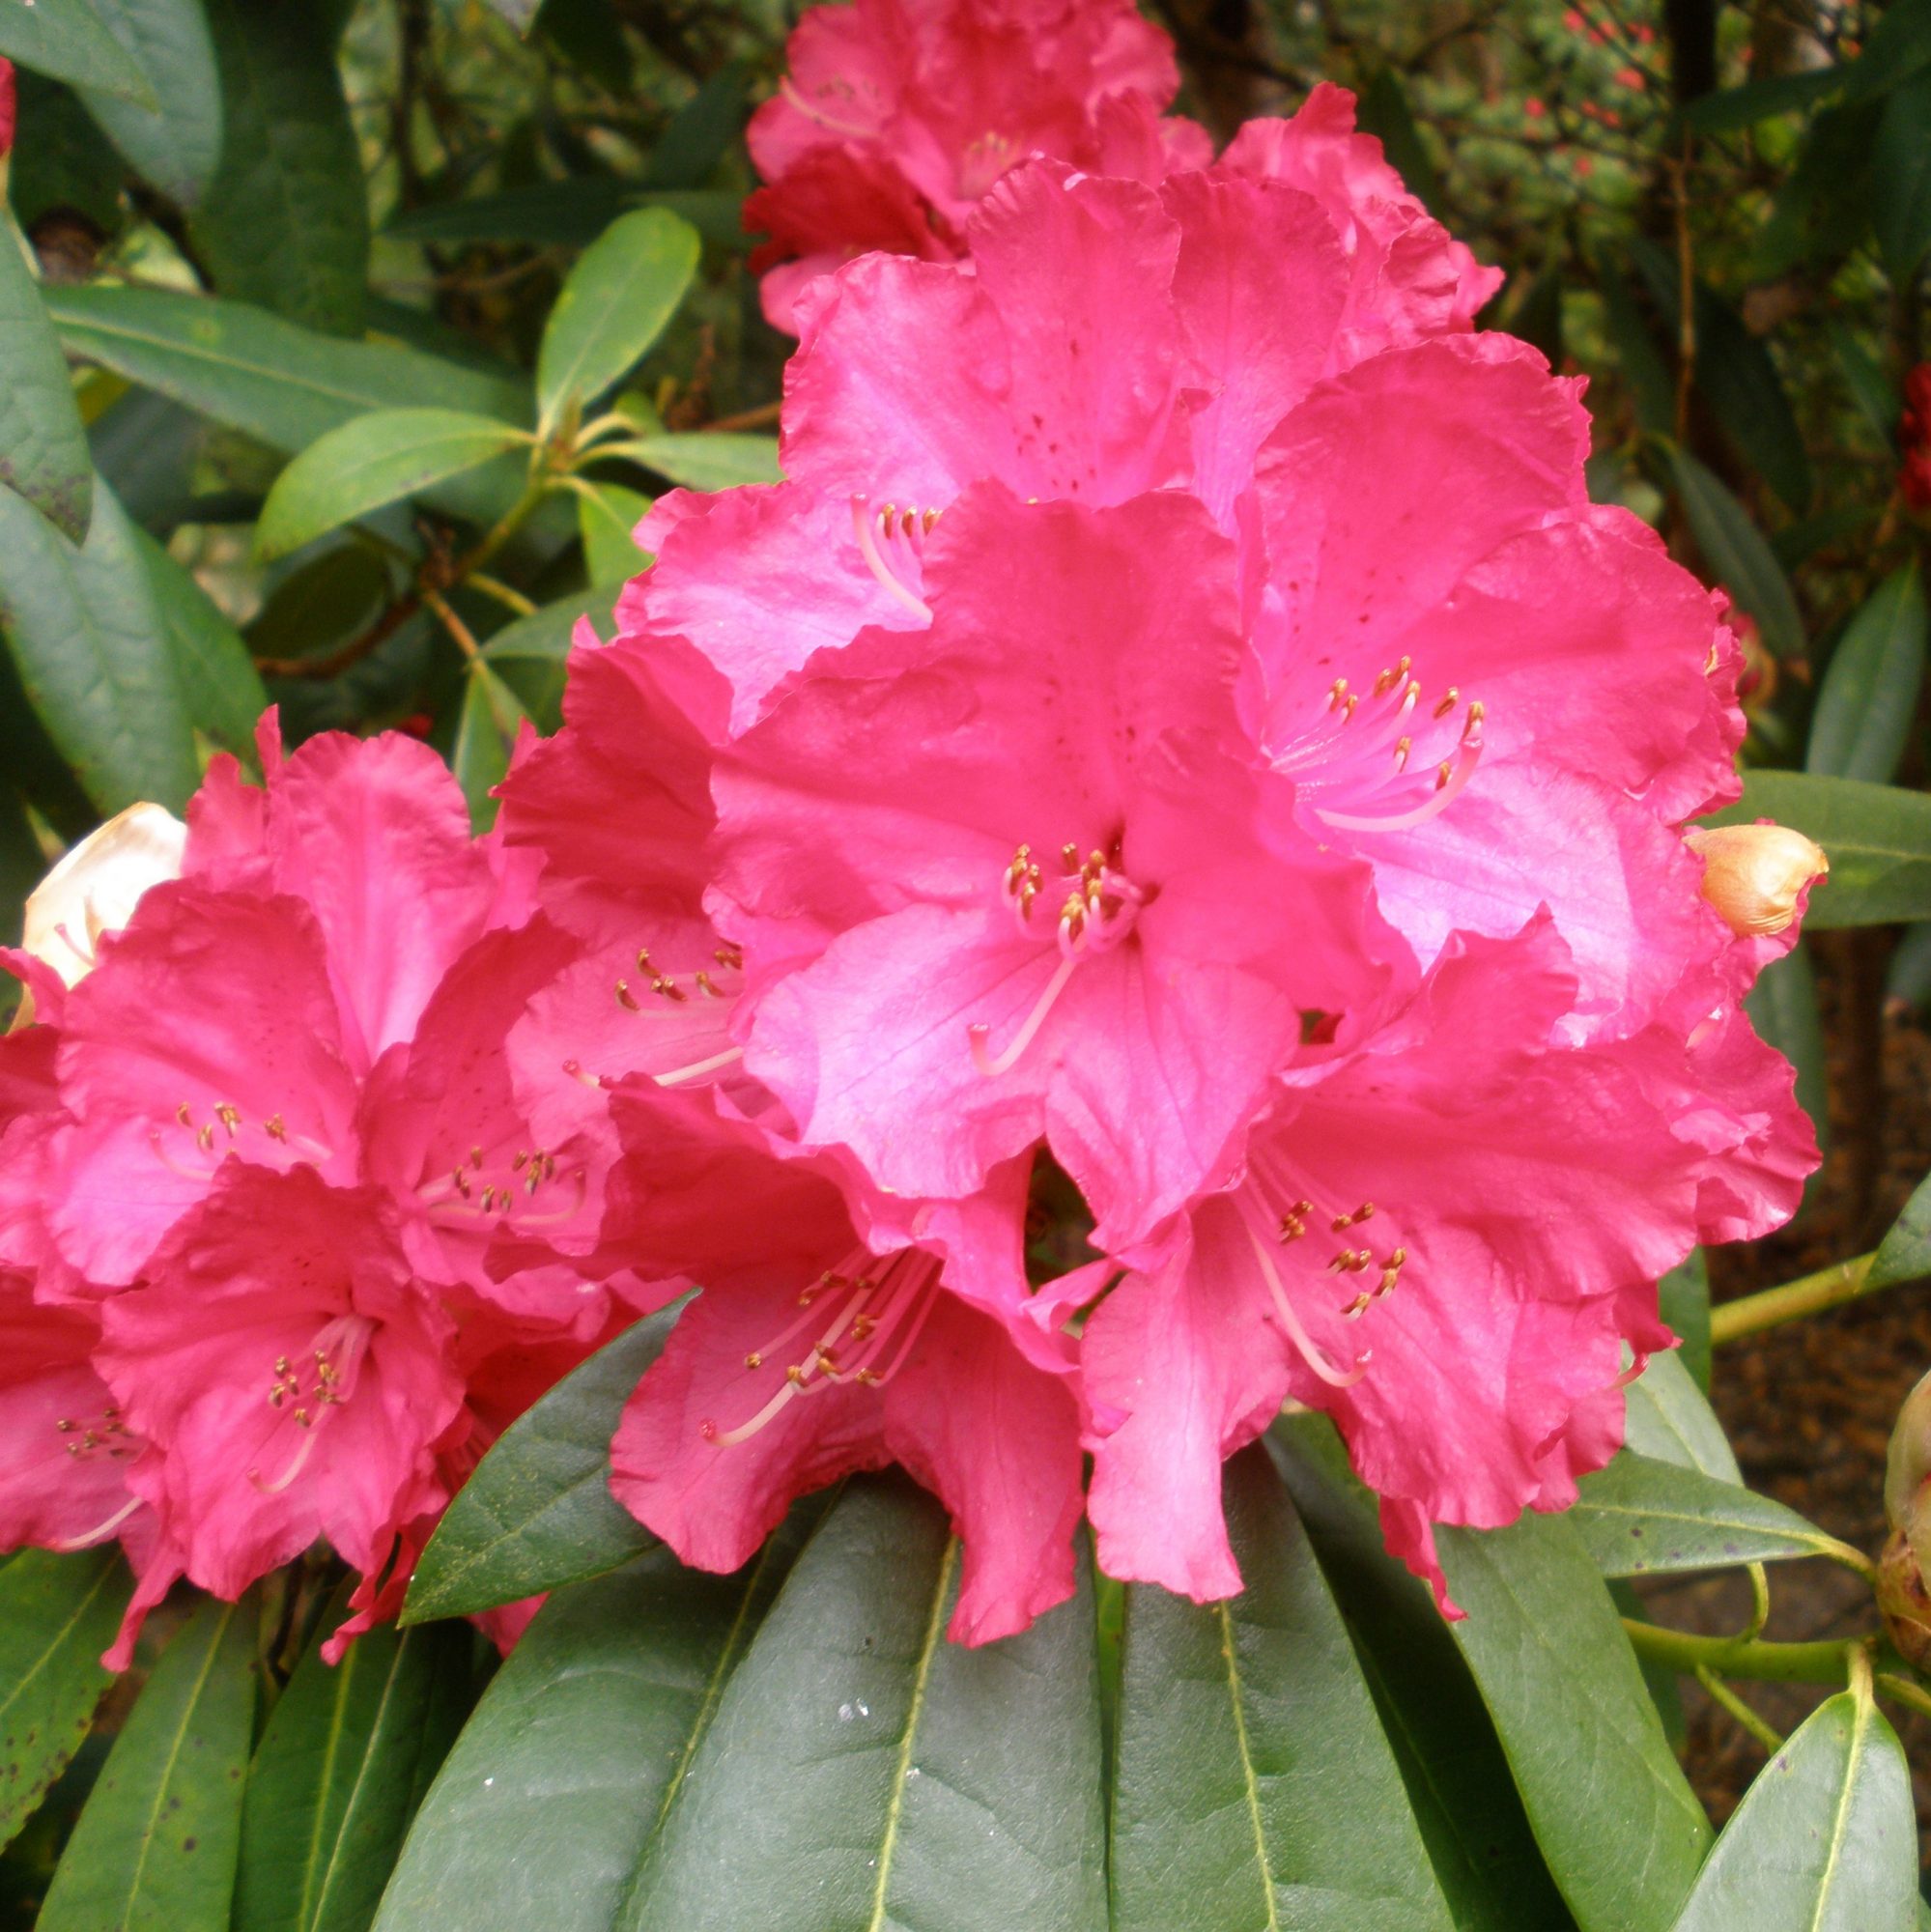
point(54, 1643)
point(1250, 1783)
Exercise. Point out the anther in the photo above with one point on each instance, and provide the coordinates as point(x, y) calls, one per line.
point(1450, 698)
point(182, 1114)
point(704, 985)
point(753, 1360)
point(205, 1139)
point(273, 1128)
point(230, 1117)
point(1336, 693)
point(666, 988)
point(731, 956)
point(1442, 774)
point(625, 998)
point(1402, 745)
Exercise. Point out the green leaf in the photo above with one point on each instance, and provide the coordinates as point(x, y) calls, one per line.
point(176, 146)
point(605, 517)
point(1782, 1007)
point(1870, 387)
point(61, 160)
point(1641, 1518)
point(217, 677)
point(1826, 1838)
point(1383, 111)
point(66, 40)
point(44, 450)
point(529, 654)
point(1683, 1300)
point(155, 1849)
point(1899, 45)
point(377, 459)
point(1735, 550)
point(702, 131)
point(567, 213)
point(620, 294)
point(347, 1753)
point(1821, 210)
point(538, 1513)
point(1869, 697)
point(1252, 1782)
point(94, 656)
point(1581, 1733)
point(57, 1615)
point(582, 1741)
point(1905, 1252)
point(1739, 107)
point(1877, 838)
point(1669, 1419)
point(485, 733)
point(1652, 390)
point(285, 220)
point(1906, 980)
point(705, 459)
point(1464, 1799)
point(1901, 179)
point(864, 1772)
point(324, 602)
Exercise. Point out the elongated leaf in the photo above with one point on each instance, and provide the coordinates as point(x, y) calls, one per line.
point(529, 654)
point(67, 40)
point(1458, 1780)
point(94, 656)
point(380, 458)
point(1824, 1842)
point(583, 1739)
point(1384, 112)
point(335, 1780)
point(1651, 391)
point(1905, 1252)
point(1252, 1782)
point(538, 1513)
point(615, 304)
point(1877, 838)
point(705, 461)
point(1822, 209)
point(220, 687)
point(1736, 107)
point(862, 1772)
point(1669, 1419)
point(1639, 1517)
point(1901, 179)
point(44, 451)
point(486, 731)
point(1899, 46)
point(57, 1615)
point(155, 1849)
point(1782, 1007)
point(1735, 550)
point(285, 220)
point(1869, 698)
point(606, 520)
point(1582, 1737)
point(1870, 389)
point(568, 214)
point(176, 146)
point(1683, 1300)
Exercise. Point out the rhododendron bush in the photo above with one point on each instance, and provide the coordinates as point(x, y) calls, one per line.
point(894, 916)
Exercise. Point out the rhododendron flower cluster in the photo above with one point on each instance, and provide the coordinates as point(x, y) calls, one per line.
point(1181, 726)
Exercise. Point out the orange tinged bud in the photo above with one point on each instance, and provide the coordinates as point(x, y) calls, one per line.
point(1753, 874)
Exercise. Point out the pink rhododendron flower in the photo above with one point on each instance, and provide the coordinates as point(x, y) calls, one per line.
point(807, 1357)
point(8, 105)
point(896, 116)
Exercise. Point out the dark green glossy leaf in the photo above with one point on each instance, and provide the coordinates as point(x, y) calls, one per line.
point(583, 1739)
point(1877, 838)
point(864, 1772)
point(1905, 1252)
point(94, 655)
point(529, 654)
point(538, 1511)
point(1683, 1300)
point(1782, 1007)
point(1384, 112)
point(155, 1849)
point(1669, 1418)
point(1639, 1517)
point(701, 131)
point(1824, 1842)
point(1464, 1799)
point(1252, 1783)
point(147, 447)
point(1581, 1733)
point(607, 514)
point(61, 160)
point(176, 145)
point(280, 383)
point(1822, 209)
point(373, 461)
point(706, 461)
point(216, 676)
point(57, 1615)
point(1869, 697)
point(67, 40)
point(1899, 45)
point(1870, 389)
point(1651, 391)
point(1735, 550)
point(486, 732)
point(44, 451)
point(285, 220)
point(620, 294)
point(1737, 108)
point(570, 214)
point(347, 1754)
point(1901, 179)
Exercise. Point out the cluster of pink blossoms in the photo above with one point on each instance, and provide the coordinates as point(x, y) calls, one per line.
point(1183, 721)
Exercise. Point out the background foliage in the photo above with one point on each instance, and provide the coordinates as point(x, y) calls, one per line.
point(350, 340)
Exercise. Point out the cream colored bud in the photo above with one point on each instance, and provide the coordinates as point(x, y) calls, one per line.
point(97, 886)
point(1753, 873)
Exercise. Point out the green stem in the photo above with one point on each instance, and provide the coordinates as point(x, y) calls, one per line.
point(1722, 1695)
point(1827, 1287)
point(1913, 1696)
point(1823, 1663)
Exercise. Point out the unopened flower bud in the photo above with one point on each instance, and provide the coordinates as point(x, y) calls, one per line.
point(1901, 1593)
point(1753, 874)
point(97, 886)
